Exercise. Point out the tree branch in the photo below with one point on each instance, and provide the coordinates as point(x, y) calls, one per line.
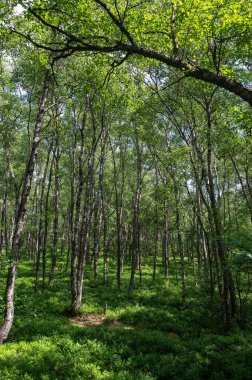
point(116, 21)
point(189, 69)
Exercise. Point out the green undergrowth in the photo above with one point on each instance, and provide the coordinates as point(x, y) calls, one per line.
point(156, 337)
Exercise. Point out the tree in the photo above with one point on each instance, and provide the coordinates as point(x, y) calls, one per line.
point(20, 214)
point(197, 39)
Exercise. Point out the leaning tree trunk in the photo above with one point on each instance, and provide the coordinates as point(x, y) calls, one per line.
point(228, 287)
point(20, 216)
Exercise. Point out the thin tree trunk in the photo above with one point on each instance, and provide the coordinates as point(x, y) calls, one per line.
point(156, 229)
point(85, 226)
point(76, 229)
point(97, 221)
point(41, 210)
point(46, 226)
point(3, 231)
point(248, 200)
point(135, 226)
point(56, 205)
point(72, 198)
point(21, 214)
point(180, 240)
point(119, 196)
point(165, 234)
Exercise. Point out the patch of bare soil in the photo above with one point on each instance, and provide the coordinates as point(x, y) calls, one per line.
point(92, 320)
point(87, 320)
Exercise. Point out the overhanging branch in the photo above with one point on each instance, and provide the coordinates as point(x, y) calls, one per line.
point(76, 44)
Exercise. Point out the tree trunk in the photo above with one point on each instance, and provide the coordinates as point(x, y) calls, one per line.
point(21, 214)
point(180, 240)
point(85, 225)
point(76, 228)
point(40, 227)
point(136, 212)
point(3, 232)
point(56, 204)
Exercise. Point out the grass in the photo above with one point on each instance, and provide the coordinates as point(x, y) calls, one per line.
point(163, 339)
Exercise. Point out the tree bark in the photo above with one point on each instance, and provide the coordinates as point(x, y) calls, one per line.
point(85, 225)
point(76, 228)
point(136, 212)
point(40, 227)
point(56, 202)
point(21, 214)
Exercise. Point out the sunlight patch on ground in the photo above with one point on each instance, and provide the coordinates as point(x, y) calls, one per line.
point(90, 319)
point(93, 320)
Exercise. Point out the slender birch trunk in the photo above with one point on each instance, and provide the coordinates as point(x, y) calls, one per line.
point(21, 214)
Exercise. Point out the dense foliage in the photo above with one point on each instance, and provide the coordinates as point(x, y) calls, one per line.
point(126, 189)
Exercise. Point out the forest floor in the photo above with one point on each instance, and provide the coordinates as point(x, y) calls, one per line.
point(143, 336)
